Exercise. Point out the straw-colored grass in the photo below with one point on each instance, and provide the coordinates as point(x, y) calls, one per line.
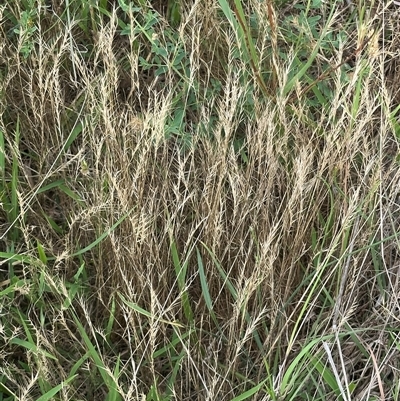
point(200, 200)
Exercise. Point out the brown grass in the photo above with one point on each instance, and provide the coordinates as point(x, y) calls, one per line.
point(305, 229)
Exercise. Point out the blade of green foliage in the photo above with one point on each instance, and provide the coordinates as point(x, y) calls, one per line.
point(244, 37)
point(297, 77)
point(393, 118)
point(76, 131)
point(233, 292)
point(111, 320)
point(175, 341)
point(54, 184)
point(270, 388)
point(230, 16)
point(13, 257)
point(13, 287)
point(326, 374)
point(248, 40)
point(228, 283)
point(60, 184)
point(14, 212)
point(53, 224)
point(73, 289)
point(250, 392)
point(4, 390)
point(176, 359)
point(144, 312)
point(2, 158)
point(110, 382)
point(103, 236)
point(41, 252)
point(205, 289)
point(50, 394)
point(71, 194)
point(294, 369)
point(31, 347)
point(355, 107)
point(180, 271)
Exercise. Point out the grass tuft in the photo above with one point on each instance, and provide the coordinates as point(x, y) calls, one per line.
point(199, 200)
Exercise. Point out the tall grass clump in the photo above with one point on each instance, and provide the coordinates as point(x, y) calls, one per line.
point(199, 200)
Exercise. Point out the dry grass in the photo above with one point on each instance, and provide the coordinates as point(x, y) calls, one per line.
point(248, 244)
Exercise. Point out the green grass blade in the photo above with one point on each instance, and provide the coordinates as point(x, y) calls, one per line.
point(78, 364)
point(326, 374)
point(180, 271)
point(76, 131)
point(289, 378)
point(174, 374)
point(234, 293)
point(144, 312)
point(13, 287)
point(50, 394)
point(14, 257)
point(32, 347)
point(111, 320)
point(250, 392)
point(2, 157)
point(102, 237)
point(171, 345)
point(14, 212)
point(41, 252)
point(230, 16)
point(222, 272)
point(107, 379)
point(297, 77)
point(54, 184)
point(71, 194)
point(205, 289)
